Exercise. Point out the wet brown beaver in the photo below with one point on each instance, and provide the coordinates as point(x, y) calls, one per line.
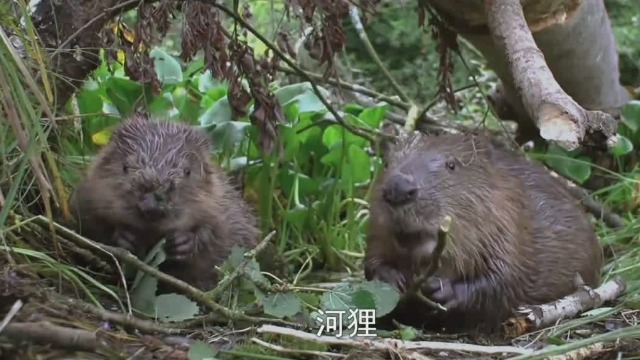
point(154, 180)
point(517, 235)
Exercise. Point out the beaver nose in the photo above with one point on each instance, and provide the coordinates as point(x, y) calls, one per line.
point(400, 189)
point(151, 206)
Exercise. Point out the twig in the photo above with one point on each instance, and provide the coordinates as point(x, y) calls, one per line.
point(12, 312)
point(531, 317)
point(351, 87)
point(584, 353)
point(297, 352)
point(385, 344)
point(357, 23)
point(353, 129)
point(124, 320)
point(239, 270)
point(434, 264)
point(45, 333)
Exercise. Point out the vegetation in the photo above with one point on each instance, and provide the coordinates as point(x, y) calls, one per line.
point(308, 176)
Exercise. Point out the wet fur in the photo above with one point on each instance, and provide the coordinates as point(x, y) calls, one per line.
point(517, 236)
point(202, 203)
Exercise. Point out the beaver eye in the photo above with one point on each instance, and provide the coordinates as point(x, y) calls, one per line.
point(125, 168)
point(450, 164)
point(187, 171)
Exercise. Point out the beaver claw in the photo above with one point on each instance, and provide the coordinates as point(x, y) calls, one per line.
point(125, 239)
point(450, 294)
point(180, 246)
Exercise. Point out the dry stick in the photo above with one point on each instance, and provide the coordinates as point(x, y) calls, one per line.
point(434, 264)
point(555, 113)
point(385, 344)
point(353, 129)
point(284, 350)
point(531, 317)
point(125, 320)
point(357, 24)
point(45, 333)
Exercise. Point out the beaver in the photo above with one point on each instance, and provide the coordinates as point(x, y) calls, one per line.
point(154, 180)
point(517, 235)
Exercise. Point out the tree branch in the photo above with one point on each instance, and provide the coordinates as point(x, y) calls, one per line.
point(558, 117)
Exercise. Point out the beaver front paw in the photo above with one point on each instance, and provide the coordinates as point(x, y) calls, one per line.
point(125, 239)
point(180, 246)
point(450, 294)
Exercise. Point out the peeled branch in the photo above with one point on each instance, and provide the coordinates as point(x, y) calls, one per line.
point(558, 117)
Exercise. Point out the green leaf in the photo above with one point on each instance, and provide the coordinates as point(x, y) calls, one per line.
point(207, 82)
point(218, 113)
point(282, 305)
point(339, 298)
point(373, 116)
point(386, 297)
point(89, 102)
point(123, 93)
point(363, 299)
point(624, 146)
point(227, 135)
point(167, 68)
point(161, 106)
point(578, 169)
point(359, 165)
point(175, 307)
point(201, 351)
point(631, 115)
point(303, 94)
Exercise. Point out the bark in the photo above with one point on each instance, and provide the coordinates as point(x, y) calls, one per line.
point(77, 25)
point(571, 51)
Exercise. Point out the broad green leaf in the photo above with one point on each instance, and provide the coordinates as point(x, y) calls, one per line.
point(578, 169)
point(631, 115)
point(175, 307)
point(161, 106)
point(303, 94)
point(219, 113)
point(623, 147)
point(123, 93)
point(339, 298)
point(363, 299)
point(282, 305)
point(167, 68)
point(89, 102)
point(386, 297)
point(207, 82)
point(228, 134)
point(373, 116)
point(201, 351)
point(359, 164)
